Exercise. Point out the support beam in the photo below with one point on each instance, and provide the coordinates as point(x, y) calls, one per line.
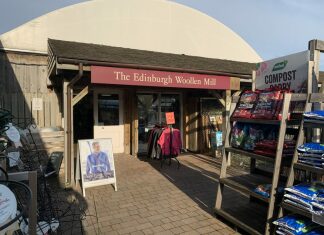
point(317, 44)
point(226, 120)
point(80, 96)
point(315, 47)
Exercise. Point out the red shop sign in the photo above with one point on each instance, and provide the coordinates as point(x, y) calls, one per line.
point(140, 77)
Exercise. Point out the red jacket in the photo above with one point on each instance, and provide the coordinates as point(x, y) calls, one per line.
point(164, 142)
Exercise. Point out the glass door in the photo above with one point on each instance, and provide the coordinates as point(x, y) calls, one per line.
point(171, 103)
point(108, 116)
point(148, 116)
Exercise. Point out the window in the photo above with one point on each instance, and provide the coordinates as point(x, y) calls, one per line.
point(108, 109)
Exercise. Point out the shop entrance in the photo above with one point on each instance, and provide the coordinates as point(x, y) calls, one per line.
point(151, 111)
point(108, 112)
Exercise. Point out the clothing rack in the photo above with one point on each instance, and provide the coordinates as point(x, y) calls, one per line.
point(158, 148)
point(164, 157)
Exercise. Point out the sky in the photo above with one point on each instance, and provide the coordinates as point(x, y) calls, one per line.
point(274, 28)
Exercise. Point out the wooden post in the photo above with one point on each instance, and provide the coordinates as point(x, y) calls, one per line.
point(185, 121)
point(225, 155)
point(277, 164)
point(313, 79)
point(32, 179)
point(226, 120)
point(134, 124)
point(252, 160)
point(127, 120)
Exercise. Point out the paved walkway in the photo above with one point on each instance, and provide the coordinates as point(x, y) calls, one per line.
point(151, 200)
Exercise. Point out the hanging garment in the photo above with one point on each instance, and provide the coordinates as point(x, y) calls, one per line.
point(153, 147)
point(170, 139)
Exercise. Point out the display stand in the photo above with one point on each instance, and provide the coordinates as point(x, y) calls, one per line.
point(245, 188)
point(164, 157)
point(305, 124)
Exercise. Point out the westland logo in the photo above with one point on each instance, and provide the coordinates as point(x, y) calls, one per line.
point(280, 65)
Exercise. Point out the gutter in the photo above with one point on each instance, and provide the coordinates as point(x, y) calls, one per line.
point(68, 130)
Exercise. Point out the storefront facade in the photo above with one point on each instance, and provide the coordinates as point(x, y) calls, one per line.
point(125, 100)
point(145, 28)
point(129, 99)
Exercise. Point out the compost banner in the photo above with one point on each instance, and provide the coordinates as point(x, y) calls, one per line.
point(288, 72)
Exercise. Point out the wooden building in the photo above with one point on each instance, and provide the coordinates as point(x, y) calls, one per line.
point(164, 36)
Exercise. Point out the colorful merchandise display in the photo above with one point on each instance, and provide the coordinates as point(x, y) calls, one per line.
point(317, 114)
point(264, 190)
point(311, 154)
point(307, 196)
point(246, 105)
point(266, 107)
point(260, 104)
point(294, 225)
point(260, 139)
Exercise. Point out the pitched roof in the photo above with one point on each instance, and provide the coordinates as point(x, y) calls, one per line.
point(100, 53)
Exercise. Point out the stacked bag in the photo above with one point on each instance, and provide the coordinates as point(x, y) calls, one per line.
point(307, 196)
point(311, 154)
point(269, 147)
point(260, 139)
point(297, 225)
point(314, 115)
point(260, 104)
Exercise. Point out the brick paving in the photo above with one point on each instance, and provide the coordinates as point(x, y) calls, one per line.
point(151, 200)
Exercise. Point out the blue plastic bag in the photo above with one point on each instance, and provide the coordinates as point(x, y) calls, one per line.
point(295, 224)
point(311, 148)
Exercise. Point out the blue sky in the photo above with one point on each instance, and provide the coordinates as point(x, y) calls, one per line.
point(272, 28)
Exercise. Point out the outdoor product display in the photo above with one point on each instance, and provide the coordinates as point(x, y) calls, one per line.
point(316, 114)
point(294, 225)
point(257, 131)
point(260, 104)
point(269, 147)
point(266, 107)
point(311, 154)
point(261, 139)
point(308, 196)
point(246, 105)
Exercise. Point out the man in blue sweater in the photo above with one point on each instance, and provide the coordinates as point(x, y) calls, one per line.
point(98, 166)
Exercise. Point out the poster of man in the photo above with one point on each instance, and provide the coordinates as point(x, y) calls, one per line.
point(97, 162)
point(98, 166)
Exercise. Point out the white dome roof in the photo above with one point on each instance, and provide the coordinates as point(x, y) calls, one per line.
point(155, 25)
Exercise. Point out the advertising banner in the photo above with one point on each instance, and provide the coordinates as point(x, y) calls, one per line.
point(154, 78)
point(97, 163)
point(288, 72)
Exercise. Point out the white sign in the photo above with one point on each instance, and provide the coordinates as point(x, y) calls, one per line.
point(37, 104)
point(288, 72)
point(97, 163)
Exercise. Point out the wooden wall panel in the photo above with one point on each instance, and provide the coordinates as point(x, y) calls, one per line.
point(22, 78)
